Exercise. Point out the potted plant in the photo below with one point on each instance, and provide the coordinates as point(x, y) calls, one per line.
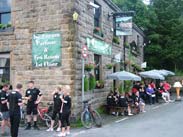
point(92, 82)
point(126, 44)
point(86, 84)
point(109, 66)
point(116, 40)
point(98, 31)
point(6, 27)
point(89, 66)
point(127, 62)
point(100, 84)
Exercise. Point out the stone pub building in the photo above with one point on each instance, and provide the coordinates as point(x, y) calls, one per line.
point(40, 40)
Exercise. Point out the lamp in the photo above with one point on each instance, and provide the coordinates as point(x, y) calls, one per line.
point(75, 16)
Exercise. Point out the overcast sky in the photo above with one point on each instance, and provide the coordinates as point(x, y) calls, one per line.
point(146, 1)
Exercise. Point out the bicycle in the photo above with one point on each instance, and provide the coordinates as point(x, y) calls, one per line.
point(44, 115)
point(90, 116)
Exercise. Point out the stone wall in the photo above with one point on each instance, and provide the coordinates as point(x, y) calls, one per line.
point(35, 16)
point(85, 29)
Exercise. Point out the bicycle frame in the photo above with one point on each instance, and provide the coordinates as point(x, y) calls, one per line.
point(42, 111)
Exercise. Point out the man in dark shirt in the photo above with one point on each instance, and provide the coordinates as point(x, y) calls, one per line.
point(4, 108)
point(33, 96)
point(15, 101)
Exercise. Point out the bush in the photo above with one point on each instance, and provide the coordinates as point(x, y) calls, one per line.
point(116, 40)
point(86, 84)
point(92, 82)
point(128, 85)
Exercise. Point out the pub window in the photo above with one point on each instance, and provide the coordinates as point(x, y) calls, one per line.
point(97, 60)
point(4, 68)
point(138, 40)
point(5, 11)
point(97, 15)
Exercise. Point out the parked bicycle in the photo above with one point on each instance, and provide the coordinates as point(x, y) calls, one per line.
point(90, 116)
point(44, 114)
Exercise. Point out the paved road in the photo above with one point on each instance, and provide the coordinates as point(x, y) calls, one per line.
point(159, 121)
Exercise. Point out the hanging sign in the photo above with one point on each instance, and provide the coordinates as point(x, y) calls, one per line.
point(123, 26)
point(46, 49)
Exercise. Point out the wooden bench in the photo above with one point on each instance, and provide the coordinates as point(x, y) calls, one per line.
point(110, 109)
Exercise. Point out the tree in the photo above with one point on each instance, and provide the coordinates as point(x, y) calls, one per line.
point(162, 21)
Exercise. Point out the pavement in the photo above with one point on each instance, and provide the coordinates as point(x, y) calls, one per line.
point(164, 119)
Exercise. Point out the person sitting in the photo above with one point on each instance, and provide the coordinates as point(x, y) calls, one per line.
point(151, 94)
point(130, 101)
point(111, 102)
point(165, 93)
point(167, 86)
point(139, 102)
point(122, 101)
point(142, 93)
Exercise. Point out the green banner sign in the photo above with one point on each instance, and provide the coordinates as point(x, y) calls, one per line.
point(98, 46)
point(46, 49)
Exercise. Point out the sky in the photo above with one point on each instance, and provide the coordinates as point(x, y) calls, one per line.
point(146, 1)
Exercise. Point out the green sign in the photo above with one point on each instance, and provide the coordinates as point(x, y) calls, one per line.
point(98, 46)
point(46, 49)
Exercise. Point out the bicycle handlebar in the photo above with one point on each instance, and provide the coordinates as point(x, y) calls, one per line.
point(86, 101)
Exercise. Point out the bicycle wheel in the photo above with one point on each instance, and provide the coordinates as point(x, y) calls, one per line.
point(86, 119)
point(47, 120)
point(97, 118)
point(56, 123)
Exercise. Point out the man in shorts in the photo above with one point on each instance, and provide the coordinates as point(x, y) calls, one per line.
point(33, 96)
point(4, 108)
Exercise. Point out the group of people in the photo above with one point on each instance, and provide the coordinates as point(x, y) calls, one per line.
point(139, 95)
point(12, 101)
point(126, 100)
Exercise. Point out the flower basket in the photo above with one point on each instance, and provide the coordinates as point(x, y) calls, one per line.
point(89, 67)
point(98, 32)
point(109, 66)
point(116, 40)
point(99, 84)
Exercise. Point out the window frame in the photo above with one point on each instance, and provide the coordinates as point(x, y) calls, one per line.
point(5, 12)
point(1, 13)
point(98, 20)
point(6, 56)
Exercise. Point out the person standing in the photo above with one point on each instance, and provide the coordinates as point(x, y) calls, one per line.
point(34, 96)
point(15, 101)
point(4, 108)
point(65, 112)
point(57, 95)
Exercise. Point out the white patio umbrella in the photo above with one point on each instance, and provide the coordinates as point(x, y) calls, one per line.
point(166, 72)
point(123, 75)
point(152, 74)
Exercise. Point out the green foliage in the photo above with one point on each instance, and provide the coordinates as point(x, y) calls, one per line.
point(92, 82)
point(162, 22)
point(120, 88)
point(89, 66)
point(116, 40)
point(109, 66)
point(101, 110)
point(86, 84)
point(128, 85)
point(4, 26)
